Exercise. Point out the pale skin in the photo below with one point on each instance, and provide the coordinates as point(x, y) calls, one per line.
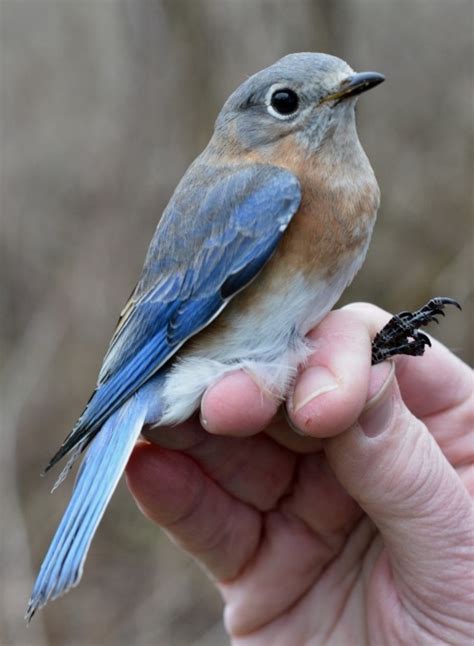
point(361, 531)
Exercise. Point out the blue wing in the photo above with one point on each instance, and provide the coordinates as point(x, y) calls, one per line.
point(218, 231)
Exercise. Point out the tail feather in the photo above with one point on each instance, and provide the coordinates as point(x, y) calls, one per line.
point(97, 479)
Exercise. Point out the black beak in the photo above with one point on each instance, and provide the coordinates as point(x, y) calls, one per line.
point(356, 84)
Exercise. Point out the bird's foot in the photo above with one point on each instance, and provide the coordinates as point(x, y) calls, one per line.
point(401, 335)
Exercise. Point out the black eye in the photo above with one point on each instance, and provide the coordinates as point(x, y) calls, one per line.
point(284, 101)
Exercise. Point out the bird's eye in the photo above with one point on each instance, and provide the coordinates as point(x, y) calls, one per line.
point(284, 102)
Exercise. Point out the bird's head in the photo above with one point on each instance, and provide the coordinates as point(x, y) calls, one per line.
point(307, 95)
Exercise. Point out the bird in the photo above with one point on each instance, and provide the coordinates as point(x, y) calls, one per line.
point(263, 233)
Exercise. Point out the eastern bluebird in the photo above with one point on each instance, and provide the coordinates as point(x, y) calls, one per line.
point(266, 229)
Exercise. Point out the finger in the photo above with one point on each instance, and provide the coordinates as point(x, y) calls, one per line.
point(331, 391)
point(285, 434)
point(394, 469)
point(321, 502)
point(438, 373)
point(171, 490)
point(437, 387)
point(255, 470)
point(317, 497)
point(237, 406)
point(289, 560)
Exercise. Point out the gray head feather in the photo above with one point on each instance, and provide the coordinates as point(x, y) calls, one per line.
point(249, 113)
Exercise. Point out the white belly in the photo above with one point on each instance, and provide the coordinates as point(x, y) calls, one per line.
point(267, 341)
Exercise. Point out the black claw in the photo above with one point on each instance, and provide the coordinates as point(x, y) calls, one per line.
point(423, 337)
point(445, 300)
point(401, 335)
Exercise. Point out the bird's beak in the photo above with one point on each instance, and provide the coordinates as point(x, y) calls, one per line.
point(355, 84)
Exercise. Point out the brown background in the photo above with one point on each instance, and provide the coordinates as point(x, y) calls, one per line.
point(103, 105)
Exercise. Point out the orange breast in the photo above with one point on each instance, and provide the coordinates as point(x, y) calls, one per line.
point(331, 228)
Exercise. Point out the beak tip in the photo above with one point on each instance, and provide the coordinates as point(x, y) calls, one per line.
point(378, 78)
point(354, 85)
point(361, 82)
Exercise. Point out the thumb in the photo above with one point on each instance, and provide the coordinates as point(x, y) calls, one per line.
point(391, 465)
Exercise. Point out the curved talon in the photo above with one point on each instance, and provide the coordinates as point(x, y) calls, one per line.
point(445, 300)
point(423, 337)
point(401, 334)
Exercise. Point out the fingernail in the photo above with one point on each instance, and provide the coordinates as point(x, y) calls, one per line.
point(203, 421)
point(378, 411)
point(381, 377)
point(313, 382)
point(202, 416)
point(290, 422)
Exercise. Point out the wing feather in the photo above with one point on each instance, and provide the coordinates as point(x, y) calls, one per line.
point(216, 234)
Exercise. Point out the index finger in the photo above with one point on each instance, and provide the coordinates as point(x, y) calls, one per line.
point(332, 388)
point(436, 387)
point(435, 382)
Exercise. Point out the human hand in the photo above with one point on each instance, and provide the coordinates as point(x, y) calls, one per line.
point(359, 532)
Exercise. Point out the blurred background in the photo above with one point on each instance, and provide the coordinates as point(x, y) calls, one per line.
point(103, 106)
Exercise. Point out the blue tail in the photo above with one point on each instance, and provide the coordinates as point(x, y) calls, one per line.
point(97, 479)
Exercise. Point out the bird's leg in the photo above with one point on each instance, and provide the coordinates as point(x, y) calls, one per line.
point(401, 334)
